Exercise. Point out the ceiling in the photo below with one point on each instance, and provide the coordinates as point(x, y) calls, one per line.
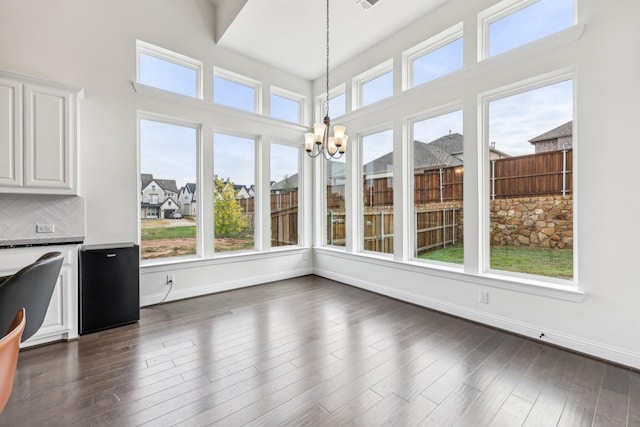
point(291, 34)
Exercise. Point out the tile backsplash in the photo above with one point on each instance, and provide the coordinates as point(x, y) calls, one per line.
point(20, 214)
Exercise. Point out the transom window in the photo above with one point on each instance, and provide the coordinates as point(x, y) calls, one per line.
point(236, 91)
point(167, 70)
point(373, 85)
point(435, 57)
point(285, 105)
point(513, 23)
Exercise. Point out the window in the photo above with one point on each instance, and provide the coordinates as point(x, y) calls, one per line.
point(335, 181)
point(438, 170)
point(168, 70)
point(511, 24)
point(285, 176)
point(234, 206)
point(234, 90)
point(436, 57)
point(285, 105)
point(337, 103)
point(167, 165)
point(530, 192)
point(373, 85)
point(377, 176)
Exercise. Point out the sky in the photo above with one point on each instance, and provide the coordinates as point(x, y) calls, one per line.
point(169, 151)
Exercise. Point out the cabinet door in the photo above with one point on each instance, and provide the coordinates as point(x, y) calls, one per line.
point(10, 133)
point(48, 135)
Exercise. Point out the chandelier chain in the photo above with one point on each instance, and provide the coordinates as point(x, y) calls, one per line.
point(327, 105)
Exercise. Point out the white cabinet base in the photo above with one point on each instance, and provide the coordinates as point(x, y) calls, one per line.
point(61, 320)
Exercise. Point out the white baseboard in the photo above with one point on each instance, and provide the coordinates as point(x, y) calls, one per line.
point(560, 339)
point(212, 288)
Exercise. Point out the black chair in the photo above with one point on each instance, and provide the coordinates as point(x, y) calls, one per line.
point(30, 288)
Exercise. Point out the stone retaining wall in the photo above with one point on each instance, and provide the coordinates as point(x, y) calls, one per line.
point(544, 221)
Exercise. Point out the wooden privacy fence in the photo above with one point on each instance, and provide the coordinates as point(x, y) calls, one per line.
point(284, 227)
point(523, 176)
point(278, 201)
point(435, 229)
point(533, 175)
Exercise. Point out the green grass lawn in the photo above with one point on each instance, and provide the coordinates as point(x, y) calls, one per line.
point(168, 232)
point(521, 259)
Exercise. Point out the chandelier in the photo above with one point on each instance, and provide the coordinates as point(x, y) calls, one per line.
point(319, 142)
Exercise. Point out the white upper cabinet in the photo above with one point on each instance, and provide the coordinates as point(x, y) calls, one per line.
point(10, 133)
point(38, 136)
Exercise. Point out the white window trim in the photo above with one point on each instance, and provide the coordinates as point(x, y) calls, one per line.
point(169, 56)
point(484, 99)
point(155, 117)
point(359, 209)
point(242, 80)
point(410, 123)
point(424, 48)
point(291, 96)
point(322, 99)
point(363, 78)
point(258, 221)
point(301, 194)
point(497, 12)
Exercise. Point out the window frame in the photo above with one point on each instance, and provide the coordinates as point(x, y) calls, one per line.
point(301, 195)
point(291, 96)
point(426, 47)
point(410, 126)
point(501, 10)
point(484, 99)
point(240, 80)
point(359, 201)
point(170, 120)
point(322, 98)
point(371, 74)
point(172, 57)
point(258, 225)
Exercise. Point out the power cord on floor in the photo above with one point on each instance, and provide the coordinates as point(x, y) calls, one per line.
point(170, 283)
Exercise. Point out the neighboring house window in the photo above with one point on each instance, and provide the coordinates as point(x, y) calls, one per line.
point(433, 58)
point(438, 173)
point(285, 105)
point(168, 157)
point(234, 209)
point(513, 23)
point(235, 90)
point(285, 194)
point(373, 85)
point(167, 70)
point(530, 195)
point(377, 176)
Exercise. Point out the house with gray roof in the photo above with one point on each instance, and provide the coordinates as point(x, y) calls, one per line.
point(158, 197)
point(559, 138)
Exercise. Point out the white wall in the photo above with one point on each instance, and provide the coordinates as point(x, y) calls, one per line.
point(93, 45)
point(607, 64)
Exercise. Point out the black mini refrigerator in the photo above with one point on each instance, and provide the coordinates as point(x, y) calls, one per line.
point(109, 291)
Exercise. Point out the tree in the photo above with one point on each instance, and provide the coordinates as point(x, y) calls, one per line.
point(227, 212)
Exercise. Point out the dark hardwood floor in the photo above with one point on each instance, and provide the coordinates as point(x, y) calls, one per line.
point(310, 351)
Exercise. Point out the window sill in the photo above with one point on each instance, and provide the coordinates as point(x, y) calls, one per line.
point(187, 262)
point(566, 292)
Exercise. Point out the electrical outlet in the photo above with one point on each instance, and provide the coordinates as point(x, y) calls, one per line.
point(483, 296)
point(171, 279)
point(45, 228)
